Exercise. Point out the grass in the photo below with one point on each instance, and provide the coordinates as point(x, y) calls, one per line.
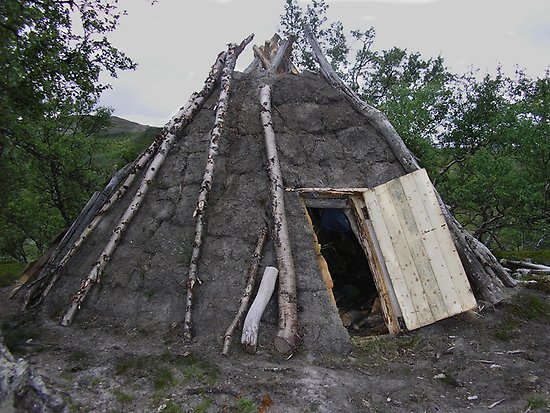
point(541, 283)
point(122, 397)
point(507, 331)
point(245, 405)
point(539, 256)
point(171, 407)
point(529, 307)
point(536, 402)
point(10, 272)
point(167, 370)
point(202, 406)
point(385, 350)
point(80, 360)
point(163, 378)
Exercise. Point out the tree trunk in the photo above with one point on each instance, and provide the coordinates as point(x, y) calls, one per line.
point(287, 336)
point(484, 272)
point(223, 101)
point(250, 281)
point(182, 118)
point(251, 324)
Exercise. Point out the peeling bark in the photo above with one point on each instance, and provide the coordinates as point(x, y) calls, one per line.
point(181, 119)
point(484, 272)
point(287, 336)
point(250, 281)
point(215, 135)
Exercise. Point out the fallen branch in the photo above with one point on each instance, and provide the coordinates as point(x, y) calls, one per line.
point(181, 119)
point(251, 326)
point(287, 336)
point(214, 390)
point(524, 264)
point(250, 281)
point(215, 135)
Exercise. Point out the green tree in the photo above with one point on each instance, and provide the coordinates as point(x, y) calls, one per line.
point(485, 143)
point(52, 53)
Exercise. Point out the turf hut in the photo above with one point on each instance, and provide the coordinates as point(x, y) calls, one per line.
point(269, 168)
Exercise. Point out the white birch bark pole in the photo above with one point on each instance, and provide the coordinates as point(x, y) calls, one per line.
point(245, 299)
point(484, 271)
point(251, 326)
point(182, 118)
point(195, 102)
point(223, 101)
point(287, 336)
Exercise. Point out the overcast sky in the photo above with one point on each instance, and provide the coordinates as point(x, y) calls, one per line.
point(176, 41)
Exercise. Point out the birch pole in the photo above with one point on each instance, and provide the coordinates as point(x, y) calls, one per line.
point(478, 261)
point(206, 185)
point(250, 281)
point(287, 336)
point(181, 119)
point(178, 121)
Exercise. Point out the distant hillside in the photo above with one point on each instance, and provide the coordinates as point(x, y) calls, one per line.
point(121, 142)
point(124, 127)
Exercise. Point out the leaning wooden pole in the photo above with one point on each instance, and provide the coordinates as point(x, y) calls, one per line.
point(245, 299)
point(287, 336)
point(181, 119)
point(225, 88)
point(51, 272)
point(484, 271)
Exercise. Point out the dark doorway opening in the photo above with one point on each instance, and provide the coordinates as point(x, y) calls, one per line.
point(354, 288)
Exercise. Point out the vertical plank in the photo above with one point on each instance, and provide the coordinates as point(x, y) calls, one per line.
point(432, 249)
point(391, 260)
point(362, 227)
point(413, 240)
point(446, 243)
point(402, 256)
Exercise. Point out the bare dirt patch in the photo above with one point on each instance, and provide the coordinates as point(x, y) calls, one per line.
point(494, 361)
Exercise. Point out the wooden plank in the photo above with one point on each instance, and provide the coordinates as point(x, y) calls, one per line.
point(445, 241)
point(410, 310)
point(323, 202)
point(436, 256)
point(412, 236)
point(431, 244)
point(404, 256)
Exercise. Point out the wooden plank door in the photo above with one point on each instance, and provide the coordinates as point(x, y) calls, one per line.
point(423, 265)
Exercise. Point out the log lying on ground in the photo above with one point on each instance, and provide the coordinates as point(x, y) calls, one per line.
point(181, 119)
point(250, 281)
point(223, 102)
point(484, 272)
point(251, 324)
point(287, 336)
point(524, 264)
